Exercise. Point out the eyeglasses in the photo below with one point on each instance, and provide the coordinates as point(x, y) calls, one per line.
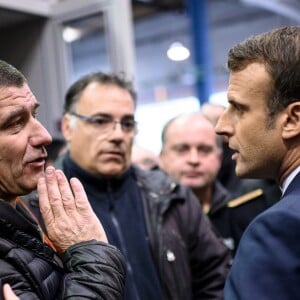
point(106, 123)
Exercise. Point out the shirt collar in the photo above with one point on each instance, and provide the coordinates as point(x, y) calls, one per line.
point(289, 179)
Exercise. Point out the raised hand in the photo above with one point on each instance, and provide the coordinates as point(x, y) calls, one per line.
point(67, 214)
point(8, 293)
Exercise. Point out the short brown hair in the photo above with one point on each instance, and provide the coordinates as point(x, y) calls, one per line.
point(75, 90)
point(10, 76)
point(279, 51)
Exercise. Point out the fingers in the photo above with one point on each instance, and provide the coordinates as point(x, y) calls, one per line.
point(56, 197)
point(82, 202)
point(8, 293)
point(51, 206)
point(84, 208)
point(66, 193)
point(67, 214)
point(44, 202)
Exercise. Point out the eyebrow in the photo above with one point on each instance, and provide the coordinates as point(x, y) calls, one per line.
point(16, 112)
point(180, 145)
point(231, 101)
point(235, 103)
point(107, 115)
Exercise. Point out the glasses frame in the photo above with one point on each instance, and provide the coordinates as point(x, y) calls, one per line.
point(93, 120)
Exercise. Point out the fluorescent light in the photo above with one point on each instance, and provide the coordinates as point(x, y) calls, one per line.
point(178, 52)
point(71, 34)
point(219, 98)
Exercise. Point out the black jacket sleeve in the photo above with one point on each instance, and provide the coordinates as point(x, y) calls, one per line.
point(92, 270)
point(210, 259)
point(96, 271)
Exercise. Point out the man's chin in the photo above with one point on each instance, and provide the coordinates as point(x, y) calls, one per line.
point(112, 171)
point(243, 172)
point(193, 184)
point(30, 185)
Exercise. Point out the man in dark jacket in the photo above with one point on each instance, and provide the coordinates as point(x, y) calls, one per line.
point(170, 249)
point(192, 154)
point(75, 261)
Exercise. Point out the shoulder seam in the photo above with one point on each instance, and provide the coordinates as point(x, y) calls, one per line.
point(245, 198)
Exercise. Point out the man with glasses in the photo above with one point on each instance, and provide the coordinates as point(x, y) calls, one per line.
point(170, 250)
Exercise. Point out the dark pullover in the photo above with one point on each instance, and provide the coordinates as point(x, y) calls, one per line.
point(118, 204)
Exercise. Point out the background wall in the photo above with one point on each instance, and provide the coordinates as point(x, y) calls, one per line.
point(32, 39)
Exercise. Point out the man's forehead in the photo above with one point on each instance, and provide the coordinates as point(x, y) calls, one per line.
point(11, 94)
point(195, 127)
point(14, 101)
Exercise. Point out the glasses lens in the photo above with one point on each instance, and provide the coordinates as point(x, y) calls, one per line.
point(103, 124)
point(128, 125)
point(107, 123)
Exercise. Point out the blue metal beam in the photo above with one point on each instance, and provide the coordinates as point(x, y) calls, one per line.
point(199, 25)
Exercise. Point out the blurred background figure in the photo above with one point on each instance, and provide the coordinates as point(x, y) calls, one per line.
point(55, 149)
point(144, 158)
point(192, 155)
point(212, 111)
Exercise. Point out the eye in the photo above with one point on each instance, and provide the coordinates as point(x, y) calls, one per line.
point(34, 114)
point(128, 123)
point(205, 149)
point(238, 107)
point(16, 125)
point(101, 121)
point(181, 149)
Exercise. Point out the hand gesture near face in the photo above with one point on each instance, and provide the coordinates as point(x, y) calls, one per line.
point(67, 214)
point(8, 293)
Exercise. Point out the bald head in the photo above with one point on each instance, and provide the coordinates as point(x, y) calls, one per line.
point(188, 122)
point(191, 152)
point(212, 112)
point(144, 158)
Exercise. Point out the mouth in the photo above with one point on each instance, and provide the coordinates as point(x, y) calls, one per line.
point(192, 174)
point(37, 162)
point(234, 152)
point(114, 153)
point(234, 156)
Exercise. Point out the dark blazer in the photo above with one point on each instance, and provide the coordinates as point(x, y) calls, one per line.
point(267, 263)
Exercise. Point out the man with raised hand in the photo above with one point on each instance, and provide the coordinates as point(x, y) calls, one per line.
point(75, 261)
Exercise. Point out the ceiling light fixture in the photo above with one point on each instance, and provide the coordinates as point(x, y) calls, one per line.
point(71, 34)
point(178, 52)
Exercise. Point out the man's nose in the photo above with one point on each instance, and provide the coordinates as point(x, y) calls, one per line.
point(194, 156)
point(39, 134)
point(223, 126)
point(116, 133)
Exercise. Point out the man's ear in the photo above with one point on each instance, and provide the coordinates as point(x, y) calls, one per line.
point(291, 125)
point(160, 160)
point(66, 127)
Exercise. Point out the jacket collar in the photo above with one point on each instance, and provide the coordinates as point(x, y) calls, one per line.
point(220, 197)
point(20, 218)
point(92, 181)
point(293, 186)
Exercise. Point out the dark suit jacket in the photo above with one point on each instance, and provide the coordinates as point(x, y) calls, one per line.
point(267, 263)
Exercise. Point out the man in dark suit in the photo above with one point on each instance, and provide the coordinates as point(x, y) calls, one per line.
point(262, 124)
